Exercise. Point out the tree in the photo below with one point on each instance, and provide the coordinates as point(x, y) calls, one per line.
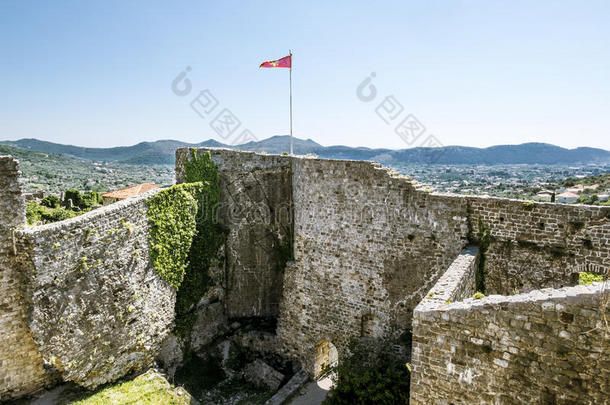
point(75, 196)
point(50, 201)
point(370, 374)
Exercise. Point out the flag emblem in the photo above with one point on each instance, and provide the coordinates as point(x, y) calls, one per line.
point(285, 62)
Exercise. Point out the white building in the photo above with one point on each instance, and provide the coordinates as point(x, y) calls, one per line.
point(567, 197)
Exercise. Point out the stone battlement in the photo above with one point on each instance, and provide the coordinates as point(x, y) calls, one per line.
point(331, 250)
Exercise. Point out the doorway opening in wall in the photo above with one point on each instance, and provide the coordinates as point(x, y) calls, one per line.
point(327, 357)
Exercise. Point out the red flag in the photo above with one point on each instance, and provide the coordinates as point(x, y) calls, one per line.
point(284, 62)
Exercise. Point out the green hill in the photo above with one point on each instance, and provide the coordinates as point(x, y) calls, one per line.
point(162, 152)
point(54, 173)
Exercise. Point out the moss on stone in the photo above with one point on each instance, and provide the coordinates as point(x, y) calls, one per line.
point(171, 214)
point(149, 388)
point(585, 277)
point(209, 236)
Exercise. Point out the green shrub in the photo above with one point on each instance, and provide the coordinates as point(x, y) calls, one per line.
point(56, 214)
point(171, 214)
point(478, 295)
point(370, 374)
point(50, 201)
point(585, 277)
point(84, 201)
point(91, 199)
point(75, 196)
point(33, 213)
point(584, 198)
point(36, 214)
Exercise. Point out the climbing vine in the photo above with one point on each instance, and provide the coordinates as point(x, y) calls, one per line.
point(171, 215)
point(208, 238)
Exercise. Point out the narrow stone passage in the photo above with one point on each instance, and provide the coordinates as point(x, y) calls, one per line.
point(313, 393)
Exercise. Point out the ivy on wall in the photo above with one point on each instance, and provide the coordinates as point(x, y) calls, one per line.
point(208, 239)
point(171, 215)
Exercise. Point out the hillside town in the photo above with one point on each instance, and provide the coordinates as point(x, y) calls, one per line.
point(550, 183)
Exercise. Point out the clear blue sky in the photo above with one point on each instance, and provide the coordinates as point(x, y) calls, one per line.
point(474, 73)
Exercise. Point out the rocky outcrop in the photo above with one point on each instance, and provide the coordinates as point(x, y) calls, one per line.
point(262, 375)
point(211, 322)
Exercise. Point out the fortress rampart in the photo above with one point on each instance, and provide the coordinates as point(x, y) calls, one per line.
point(21, 366)
point(331, 250)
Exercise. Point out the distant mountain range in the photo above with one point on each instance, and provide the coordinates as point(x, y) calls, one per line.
point(162, 152)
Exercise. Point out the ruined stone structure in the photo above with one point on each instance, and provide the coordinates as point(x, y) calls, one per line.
point(21, 366)
point(98, 309)
point(331, 250)
point(547, 346)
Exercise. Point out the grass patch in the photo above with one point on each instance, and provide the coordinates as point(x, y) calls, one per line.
point(528, 205)
point(149, 388)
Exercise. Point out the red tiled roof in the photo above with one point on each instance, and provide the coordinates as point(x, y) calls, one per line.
point(130, 191)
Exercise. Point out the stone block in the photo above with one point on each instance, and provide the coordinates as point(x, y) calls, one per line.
point(262, 375)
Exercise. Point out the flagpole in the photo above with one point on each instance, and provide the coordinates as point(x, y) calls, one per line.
point(290, 79)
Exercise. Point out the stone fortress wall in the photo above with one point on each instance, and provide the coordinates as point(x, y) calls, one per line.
point(80, 300)
point(98, 308)
point(544, 340)
point(369, 246)
point(256, 208)
point(21, 366)
point(331, 250)
point(548, 346)
point(537, 245)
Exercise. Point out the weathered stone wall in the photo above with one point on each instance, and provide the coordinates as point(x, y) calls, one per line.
point(256, 207)
point(98, 308)
point(536, 245)
point(457, 283)
point(368, 247)
point(21, 366)
point(548, 346)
